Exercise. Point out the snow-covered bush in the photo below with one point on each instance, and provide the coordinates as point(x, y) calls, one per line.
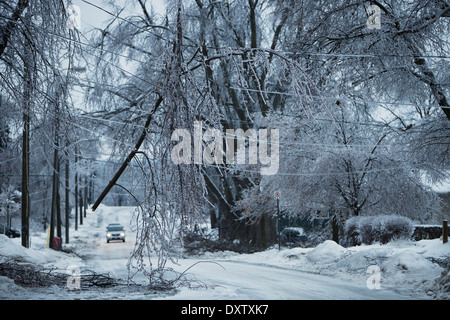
point(382, 229)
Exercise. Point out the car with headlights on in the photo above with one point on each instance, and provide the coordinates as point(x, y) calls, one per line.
point(115, 232)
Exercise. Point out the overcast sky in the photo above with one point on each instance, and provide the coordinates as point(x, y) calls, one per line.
point(92, 17)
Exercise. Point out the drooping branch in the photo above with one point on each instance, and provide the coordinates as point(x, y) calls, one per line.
point(11, 25)
point(129, 157)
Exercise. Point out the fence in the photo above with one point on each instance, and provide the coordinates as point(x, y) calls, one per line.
point(431, 232)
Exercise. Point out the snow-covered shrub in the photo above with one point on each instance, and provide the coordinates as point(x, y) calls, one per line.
point(382, 229)
point(395, 227)
point(368, 231)
point(352, 232)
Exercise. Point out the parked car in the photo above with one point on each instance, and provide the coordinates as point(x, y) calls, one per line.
point(9, 232)
point(293, 236)
point(115, 231)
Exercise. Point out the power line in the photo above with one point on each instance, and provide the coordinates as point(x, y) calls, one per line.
point(334, 99)
point(104, 50)
point(113, 121)
point(269, 92)
point(248, 89)
point(330, 98)
point(102, 135)
point(309, 174)
point(82, 43)
point(300, 174)
point(342, 55)
point(365, 123)
point(366, 55)
point(287, 144)
point(94, 47)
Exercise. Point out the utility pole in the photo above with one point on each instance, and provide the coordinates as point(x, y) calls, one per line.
point(445, 231)
point(85, 202)
point(27, 88)
point(80, 202)
point(76, 187)
point(53, 208)
point(278, 196)
point(58, 204)
point(66, 188)
point(56, 208)
point(91, 187)
point(55, 187)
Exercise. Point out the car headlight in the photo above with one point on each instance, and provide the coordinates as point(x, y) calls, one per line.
point(122, 234)
point(108, 234)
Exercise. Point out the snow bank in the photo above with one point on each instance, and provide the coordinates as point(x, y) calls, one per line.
point(7, 286)
point(10, 250)
point(327, 252)
point(433, 249)
point(409, 266)
point(441, 287)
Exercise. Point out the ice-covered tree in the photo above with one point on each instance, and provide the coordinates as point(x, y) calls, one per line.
point(195, 66)
point(35, 40)
point(343, 168)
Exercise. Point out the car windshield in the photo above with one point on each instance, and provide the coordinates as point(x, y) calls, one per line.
point(115, 228)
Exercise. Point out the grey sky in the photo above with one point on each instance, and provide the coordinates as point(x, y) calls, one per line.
point(92, 17)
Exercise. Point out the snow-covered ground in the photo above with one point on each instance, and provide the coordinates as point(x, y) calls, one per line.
point(403, 269)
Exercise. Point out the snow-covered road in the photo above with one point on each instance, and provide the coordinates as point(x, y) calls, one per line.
point(224, 278)
point(326, 272)
point(248, 281)
point(227, 279)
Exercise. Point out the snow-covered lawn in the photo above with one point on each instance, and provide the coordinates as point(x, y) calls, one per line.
point(405, 269)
